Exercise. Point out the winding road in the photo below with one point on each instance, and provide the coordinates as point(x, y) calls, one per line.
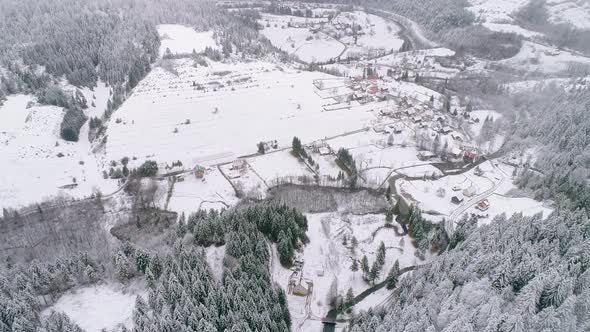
point(454, 218)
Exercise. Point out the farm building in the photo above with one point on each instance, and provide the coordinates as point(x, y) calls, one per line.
point(457, 199)
point(470, 192)
point(299, 290)
point(483, 205)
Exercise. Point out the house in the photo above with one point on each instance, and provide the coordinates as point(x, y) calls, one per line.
point(299, 290)
point(426, 155)
point(385, 112)
point(552, 52)
point(417, 119)
point(325, 150)
point(373, 89)
point(470, 192)
point(470, 156)
point(379, 128)
point(456, 152)
point(445, 130)
point(397, 128)
point(199, 172)
point(483, 205)
point(457, 199)
point(239, 164)
point(456, 136)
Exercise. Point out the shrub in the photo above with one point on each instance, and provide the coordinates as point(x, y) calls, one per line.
point(148, 168)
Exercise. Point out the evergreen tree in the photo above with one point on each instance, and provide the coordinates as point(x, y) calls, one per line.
point(393, 276)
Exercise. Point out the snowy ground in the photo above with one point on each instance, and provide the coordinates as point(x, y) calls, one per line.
point(512, 28)
point(279, 166)
point(99, 307)
point(378, 33)
point(536, 57)
point(36, 162)
point(300, 41)
point(183, 40)
point(575, 12)
point(224, 118)
point(191, 194)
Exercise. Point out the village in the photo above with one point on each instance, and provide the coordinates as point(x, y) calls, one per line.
point(359, 114)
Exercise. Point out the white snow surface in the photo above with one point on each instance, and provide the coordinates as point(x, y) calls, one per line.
point(183, 40)
point(262, 103)
point(98, 307)
point(36, 162)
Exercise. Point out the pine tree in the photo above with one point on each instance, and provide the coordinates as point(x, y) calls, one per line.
point(393, 275)
point(375, 271)
point(349, 299)
point(365, 265)
point(381, 254)
point(355, 265)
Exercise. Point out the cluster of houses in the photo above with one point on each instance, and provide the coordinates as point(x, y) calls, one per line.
point(320, 147)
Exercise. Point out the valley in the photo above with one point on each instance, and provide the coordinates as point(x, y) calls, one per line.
point(373, 145)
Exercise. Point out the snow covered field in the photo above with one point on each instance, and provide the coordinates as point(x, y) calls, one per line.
point(99, 307)
point(169, 118)
point(377, 32)
point(306, 46)
point(36, 162)
point(575, 12)
point(191, 194)
point(511, 28)
point(183, 40)
point(536, 57)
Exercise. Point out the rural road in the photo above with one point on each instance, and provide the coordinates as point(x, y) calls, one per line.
point(450, 224)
